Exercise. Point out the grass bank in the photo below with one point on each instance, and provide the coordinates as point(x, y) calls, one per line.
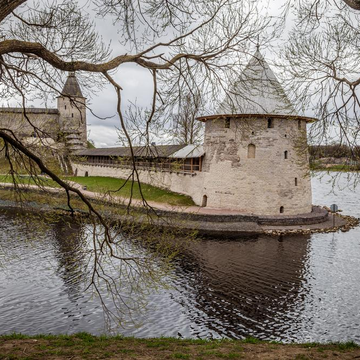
point(119, 187)
point(86, 346)
point(340, 168)
point(29, 180)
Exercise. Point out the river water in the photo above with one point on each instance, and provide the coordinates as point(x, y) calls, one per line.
point(295, 288)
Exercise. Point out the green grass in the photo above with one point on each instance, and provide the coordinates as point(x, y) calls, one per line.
point(28, 180)
point(345, 168)
point(108, 184)
point(251, 340)
point(87, 346)
point(151, 193)
point(90, 145)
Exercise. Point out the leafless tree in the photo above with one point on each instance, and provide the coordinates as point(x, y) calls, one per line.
point(321, 63)
point(185, 128)
point(200, 43)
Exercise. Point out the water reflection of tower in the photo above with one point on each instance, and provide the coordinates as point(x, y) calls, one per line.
point(70, 252)
point(247, 288)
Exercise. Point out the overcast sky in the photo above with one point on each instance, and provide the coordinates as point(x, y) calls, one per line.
point(136, 81)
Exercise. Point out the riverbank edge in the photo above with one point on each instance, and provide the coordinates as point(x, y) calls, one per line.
point(219, 225)
point(87, 346)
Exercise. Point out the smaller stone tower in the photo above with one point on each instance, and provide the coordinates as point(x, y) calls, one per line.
point(72, 114)
point(256, 157)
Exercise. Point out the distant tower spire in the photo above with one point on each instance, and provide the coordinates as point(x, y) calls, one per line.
point(258, 43)
point(72, 111)
point(72, 87)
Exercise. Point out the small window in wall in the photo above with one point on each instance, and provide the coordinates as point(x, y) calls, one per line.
point(296, 182)
point(270, 124)
point(65, 107)
point(281, 209)
point(227, 123)
point(253, 133)
point(72, 115)
point(204, 201)
point(251, 151)
point(285, 154)
point(86, 173)
point(299, 124)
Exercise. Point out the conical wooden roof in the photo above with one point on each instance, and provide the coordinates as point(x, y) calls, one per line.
point(72, 87)
point(256, 91)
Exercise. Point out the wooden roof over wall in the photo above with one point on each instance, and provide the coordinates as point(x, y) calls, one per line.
point(153, 151)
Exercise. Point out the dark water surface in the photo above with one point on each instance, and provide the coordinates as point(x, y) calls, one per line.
point(299, 288)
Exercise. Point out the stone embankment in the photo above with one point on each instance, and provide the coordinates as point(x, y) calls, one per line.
point(219, 222)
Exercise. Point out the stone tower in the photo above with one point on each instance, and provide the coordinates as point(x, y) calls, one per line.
point(256, 157)
point(72, 114)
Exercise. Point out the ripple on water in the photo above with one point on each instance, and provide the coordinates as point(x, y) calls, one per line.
point(300, 288)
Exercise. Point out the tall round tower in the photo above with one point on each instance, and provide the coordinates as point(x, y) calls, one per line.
point(72, 113)
point(256, 156)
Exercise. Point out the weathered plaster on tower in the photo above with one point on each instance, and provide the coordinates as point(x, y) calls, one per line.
point(260, 182)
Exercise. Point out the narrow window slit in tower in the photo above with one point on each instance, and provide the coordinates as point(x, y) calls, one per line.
point(227, 123)
point(299, 124)
point(270, 123)
point(285, 154)
point(251, 151)
point(204, 201)
point(72, 115)
point(296, 182)
point(281, 209)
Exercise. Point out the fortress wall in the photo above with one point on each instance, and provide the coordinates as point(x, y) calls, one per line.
point(184, 183)
point(247, 167)
point(263, 183)
point(16, 121)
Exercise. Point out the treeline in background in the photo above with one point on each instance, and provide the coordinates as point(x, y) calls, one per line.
point(336, 156)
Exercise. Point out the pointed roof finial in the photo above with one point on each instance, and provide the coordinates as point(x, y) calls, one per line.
point(258, 43)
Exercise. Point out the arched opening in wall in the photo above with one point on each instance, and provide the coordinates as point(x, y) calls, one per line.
point(281, 209)
point(86, 173)
point(299, 124)
point(285, 154)
point(204, 201)
point(296, 182)
point(270, 123)
point(251, 151)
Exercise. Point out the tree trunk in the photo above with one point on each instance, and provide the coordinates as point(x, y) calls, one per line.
point(355, 4)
